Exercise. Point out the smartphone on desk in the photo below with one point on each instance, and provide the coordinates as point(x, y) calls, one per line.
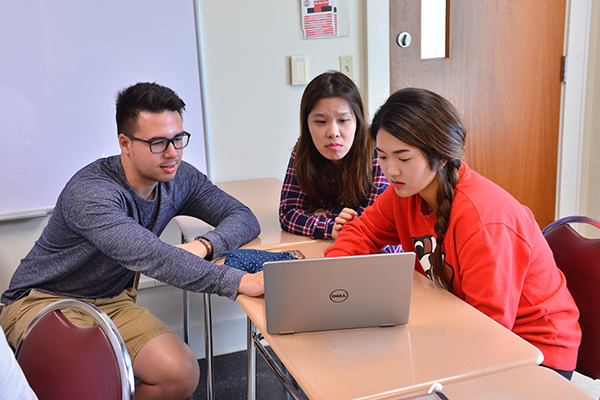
point(296, 253)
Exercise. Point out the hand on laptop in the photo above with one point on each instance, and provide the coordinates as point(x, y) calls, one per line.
point(252, 284)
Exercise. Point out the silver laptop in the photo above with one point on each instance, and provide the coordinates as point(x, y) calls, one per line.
point(338, 292)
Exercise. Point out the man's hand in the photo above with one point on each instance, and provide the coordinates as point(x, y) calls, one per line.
point(252, 284)
point(346, 215)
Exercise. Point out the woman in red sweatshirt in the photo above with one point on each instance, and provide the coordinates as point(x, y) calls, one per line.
point(472, 237)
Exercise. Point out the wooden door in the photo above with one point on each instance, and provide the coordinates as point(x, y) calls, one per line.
point(503, 75)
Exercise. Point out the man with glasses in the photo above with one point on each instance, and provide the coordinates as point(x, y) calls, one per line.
point(105, 228)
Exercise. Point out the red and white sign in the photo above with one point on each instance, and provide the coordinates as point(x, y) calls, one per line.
point(319, 18)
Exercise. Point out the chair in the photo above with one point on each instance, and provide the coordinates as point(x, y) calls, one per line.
point(579, 259)
point(62, 361)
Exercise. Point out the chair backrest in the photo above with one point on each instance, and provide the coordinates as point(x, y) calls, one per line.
point(578, 258)
point(63, 361)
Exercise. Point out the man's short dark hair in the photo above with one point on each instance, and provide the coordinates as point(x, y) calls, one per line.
point(144, 96)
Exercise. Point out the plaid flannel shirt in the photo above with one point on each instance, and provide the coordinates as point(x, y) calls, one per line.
point(293, 208)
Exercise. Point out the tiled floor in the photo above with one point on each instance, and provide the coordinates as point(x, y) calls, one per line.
point(230, 380)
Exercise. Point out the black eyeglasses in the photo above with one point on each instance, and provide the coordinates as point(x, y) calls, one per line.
point(161, 145)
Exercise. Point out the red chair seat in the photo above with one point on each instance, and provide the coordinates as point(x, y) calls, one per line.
point(62, 361)
point(579, 259)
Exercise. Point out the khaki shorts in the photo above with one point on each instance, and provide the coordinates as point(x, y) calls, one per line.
point(136, 324)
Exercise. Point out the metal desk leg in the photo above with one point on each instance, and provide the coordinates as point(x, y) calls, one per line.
point(284, 377)
point(209, 347)
point(251, 357)
point(207, 334)
point(186, 309)
point(186, 317)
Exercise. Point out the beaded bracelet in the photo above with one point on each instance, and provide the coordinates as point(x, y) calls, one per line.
point(208, 245)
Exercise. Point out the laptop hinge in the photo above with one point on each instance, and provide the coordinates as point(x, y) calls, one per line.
point(388, 325)
point(287, 332)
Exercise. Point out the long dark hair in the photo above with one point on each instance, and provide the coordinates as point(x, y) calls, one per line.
point(350, 182)
point(428, 121)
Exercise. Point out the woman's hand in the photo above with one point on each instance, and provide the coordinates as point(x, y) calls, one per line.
point(346, 215)
point(320, 212)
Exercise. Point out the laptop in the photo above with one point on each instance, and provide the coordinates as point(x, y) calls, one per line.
point(338, 292)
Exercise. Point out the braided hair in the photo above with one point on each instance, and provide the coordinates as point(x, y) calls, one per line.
point(428, 121)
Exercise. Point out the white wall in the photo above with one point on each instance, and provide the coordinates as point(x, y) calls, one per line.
point(252, 109)
point(16, 239)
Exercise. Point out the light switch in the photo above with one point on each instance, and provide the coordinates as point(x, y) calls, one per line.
point(300, 72)
point(347, 66)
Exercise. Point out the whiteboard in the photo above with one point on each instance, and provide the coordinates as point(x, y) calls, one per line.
point(62, 63)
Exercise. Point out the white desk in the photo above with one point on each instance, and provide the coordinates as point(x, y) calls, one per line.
point(524, 383)
point(445, 341)
point(262, 197)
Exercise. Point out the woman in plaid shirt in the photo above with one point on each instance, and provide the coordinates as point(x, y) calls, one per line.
point(333, 173)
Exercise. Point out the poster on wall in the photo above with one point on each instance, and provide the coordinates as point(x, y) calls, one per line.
point(319, 18)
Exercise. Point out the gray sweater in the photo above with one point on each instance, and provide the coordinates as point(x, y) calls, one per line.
point(101, 232)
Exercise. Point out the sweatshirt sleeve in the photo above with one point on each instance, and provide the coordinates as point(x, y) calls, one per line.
point(371, 231)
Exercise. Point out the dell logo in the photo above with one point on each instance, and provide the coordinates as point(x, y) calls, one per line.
point(339, 295)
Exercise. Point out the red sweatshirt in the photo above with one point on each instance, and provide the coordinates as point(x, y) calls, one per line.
point(501, 263)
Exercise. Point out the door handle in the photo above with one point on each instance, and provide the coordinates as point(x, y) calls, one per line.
point(404, 39)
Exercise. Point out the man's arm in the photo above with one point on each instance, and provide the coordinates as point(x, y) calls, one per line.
point(235, 224)
point(250, 284)
point(194, 247)
point(101, 217)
